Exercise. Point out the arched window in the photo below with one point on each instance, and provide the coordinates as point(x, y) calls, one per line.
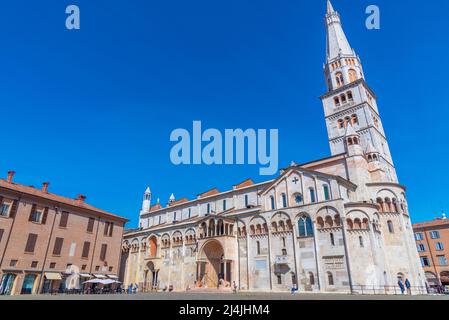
point(320, 222)
point(272, 202)
point(329, 223)
point(390, 226)
point(380, 204)
point(332, 238)
point(265, 228)
point(312, 195)
point(298, 198)
point(340, 124)
point(337, 101)
point(330, 278)
point(274, 226)
point(365, 223)
point(284, 200)
point(311, 279)
point(354, 119)
point(281, 225)
point(337, 220)
point(350, 224)
point(339, 79)
point(357, 223)
point(305, 228)
point(258, 247)
point(352, 75)
point(326, 192)
point(349, 95)
point(347, 120)
point(343, 98)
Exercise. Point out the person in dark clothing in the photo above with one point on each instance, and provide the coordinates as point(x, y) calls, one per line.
point(408, 286)
point(401, 286)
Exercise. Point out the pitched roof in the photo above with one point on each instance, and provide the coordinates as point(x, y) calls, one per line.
point(155, 207)
point(179, 201)
point(57, 198)
point(208, 193)
point(246, 183)
point(350, 131)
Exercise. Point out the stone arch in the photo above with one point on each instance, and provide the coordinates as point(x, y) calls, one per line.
point(259, 225)
point(282, 221)
point(165, 240)
point(152, 246)
point(241, 228)
point(212, 254)
point(177, 238)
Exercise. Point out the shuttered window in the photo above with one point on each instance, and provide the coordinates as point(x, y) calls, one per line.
point(44, 216)
point(106, 228)
point(31, 243)
point(1, 234)
point(64, 219)
point(13, 211)
point(58, 246)
point(86, 247)
point(90, 225)
point(111, 228)
point(104, 248)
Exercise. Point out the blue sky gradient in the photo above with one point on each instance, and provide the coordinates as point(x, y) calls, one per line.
point(92, 110)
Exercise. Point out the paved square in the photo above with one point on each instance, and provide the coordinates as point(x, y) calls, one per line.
point(224, 296)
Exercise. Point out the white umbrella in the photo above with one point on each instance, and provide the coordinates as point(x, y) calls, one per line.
point(93, 281)
point(107, 281)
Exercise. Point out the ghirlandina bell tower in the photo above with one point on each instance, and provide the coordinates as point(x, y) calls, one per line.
point(349, 100)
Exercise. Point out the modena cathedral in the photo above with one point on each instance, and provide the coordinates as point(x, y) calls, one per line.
point(330, 225)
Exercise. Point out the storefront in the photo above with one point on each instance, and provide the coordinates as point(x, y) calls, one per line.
point(52, 282)
point(29, 282)
point(7, 283)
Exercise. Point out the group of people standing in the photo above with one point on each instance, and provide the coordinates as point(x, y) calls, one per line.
point(405, 285)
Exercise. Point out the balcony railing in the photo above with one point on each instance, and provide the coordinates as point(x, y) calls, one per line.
point(282, 259)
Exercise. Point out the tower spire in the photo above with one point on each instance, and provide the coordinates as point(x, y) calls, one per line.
point(337, 43)
point(330, 9)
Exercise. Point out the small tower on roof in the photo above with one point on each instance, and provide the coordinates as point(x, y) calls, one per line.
point(352, 141)
point(146, 203)
point(371, 153)
point(171, 200)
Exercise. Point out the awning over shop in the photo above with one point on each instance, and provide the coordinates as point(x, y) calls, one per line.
point(112, 276)
point(53, 276)
point(100, 276)
point(85, 275)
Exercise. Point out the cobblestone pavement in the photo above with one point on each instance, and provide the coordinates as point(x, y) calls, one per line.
point(224, 296)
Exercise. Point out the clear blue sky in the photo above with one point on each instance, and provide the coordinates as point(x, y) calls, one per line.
point(91, 111)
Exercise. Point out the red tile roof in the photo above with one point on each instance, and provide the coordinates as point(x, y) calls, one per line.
point(434, 223)
point(155, 207)
point(208, 193)
point(245, 183)
point(54, 197)
point(179, 201)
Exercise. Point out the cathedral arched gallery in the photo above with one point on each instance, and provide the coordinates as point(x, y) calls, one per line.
point(330, 225)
